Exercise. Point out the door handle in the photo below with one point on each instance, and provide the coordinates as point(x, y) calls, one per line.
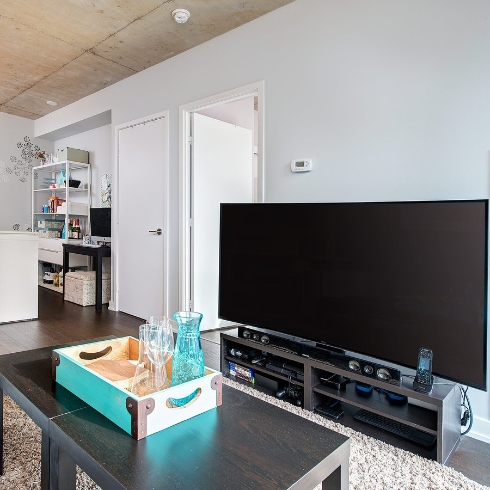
point(158, 231)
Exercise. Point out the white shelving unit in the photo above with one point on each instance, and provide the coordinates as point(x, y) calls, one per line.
point(78, 201)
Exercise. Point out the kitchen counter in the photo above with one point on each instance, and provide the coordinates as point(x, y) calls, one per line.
point(18, 276)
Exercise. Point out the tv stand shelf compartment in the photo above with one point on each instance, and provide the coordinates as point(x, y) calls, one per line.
point(409, 414)
point(439, 415)
point(264, 370)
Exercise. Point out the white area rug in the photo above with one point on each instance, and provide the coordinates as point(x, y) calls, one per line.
point(374, 465)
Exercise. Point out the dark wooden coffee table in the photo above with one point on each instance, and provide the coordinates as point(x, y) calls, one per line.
point(26, 378)
point(244, 444)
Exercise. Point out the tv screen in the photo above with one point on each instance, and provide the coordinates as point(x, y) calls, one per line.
point(379, 279)
point(100, 222)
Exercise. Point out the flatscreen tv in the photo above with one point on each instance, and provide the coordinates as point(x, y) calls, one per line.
point(380, 279)
point(100, 222)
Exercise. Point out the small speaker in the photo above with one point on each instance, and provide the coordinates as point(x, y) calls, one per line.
point(360, 366)
point(368, 369)
point(355, 365)
point(388, 375)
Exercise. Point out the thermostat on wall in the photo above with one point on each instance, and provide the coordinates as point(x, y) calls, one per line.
point(303, 165)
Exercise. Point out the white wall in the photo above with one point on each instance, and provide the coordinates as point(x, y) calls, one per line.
point(16, 135)
point(391, 100)
point(98, 142)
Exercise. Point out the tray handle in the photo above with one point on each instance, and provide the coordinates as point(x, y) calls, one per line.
point(90, 356)
point(185, 401)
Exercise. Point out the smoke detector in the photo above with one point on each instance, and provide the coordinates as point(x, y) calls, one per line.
point(181, 16)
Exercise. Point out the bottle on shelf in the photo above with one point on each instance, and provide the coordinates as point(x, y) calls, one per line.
point(77, 228)
point(52, 204)
point(70, 228)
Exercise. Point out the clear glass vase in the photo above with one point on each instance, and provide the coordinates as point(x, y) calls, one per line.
point(188, 363)
point(150, 375)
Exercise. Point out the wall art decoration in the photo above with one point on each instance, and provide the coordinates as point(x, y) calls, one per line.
point(20, 168)
point(16, 227)
point(106, 190)
point(28, 149)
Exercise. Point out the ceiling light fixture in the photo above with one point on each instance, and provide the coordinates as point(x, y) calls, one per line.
point(51, 102)
point(181, 16)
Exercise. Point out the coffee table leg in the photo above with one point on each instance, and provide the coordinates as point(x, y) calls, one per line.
point(62, 469)
point(44, 460)
point(338, 479)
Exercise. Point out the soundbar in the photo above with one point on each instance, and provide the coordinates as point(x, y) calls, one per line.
point(272, 340)
point(345, 362)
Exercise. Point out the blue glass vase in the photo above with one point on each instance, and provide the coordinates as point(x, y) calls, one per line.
point(188, 363)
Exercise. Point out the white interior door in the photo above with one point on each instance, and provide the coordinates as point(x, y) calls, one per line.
point(142, 150)
point(222, 172)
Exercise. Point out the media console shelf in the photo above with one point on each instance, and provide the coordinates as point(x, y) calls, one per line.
point(437, 414)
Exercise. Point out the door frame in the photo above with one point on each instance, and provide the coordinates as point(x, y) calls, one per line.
point(256, 89)
point(115, 206)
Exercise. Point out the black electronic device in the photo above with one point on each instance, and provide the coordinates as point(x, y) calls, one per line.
point(367, 368)
point(388, 374)
point(331, 408)
point(371, 278)
point(334, 381)
point(100, 222)
point(424, 380)
point(332, 357)
point(273, 340)
point(292, 391)
point(248, 355)
point(278, 365)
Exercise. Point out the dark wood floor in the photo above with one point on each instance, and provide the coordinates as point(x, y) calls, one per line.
point(62, 322)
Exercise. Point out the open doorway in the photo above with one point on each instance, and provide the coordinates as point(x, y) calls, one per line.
point(221, 161)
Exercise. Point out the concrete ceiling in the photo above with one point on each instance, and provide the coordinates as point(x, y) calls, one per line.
point(64, 50)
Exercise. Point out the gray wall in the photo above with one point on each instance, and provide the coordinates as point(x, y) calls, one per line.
point(391, 100)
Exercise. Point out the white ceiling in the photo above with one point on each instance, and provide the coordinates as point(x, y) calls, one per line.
point(64, 50)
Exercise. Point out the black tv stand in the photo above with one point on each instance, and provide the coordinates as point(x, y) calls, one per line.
point(437, 415)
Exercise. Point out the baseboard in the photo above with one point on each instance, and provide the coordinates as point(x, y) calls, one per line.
point(480, 430)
